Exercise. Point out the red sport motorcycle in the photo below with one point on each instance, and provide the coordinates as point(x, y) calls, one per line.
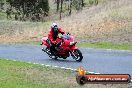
point(65, 49)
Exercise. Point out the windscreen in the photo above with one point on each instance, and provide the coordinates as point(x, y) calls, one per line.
point(65, 36)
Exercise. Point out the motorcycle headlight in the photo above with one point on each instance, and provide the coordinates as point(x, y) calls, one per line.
point(71, 43)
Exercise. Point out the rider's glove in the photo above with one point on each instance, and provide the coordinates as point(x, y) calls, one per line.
point(59, 43)
point(54, 42)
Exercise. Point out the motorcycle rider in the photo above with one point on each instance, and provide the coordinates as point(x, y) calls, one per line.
point(52, 36)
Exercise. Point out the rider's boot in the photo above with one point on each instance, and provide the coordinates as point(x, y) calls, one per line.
point(53, 56)
point(43, 49)
point(52, 51)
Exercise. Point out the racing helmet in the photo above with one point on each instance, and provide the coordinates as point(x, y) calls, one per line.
point(54, 28)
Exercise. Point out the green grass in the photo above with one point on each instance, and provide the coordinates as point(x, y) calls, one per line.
point(106, 45)
point(15, 74)
point(35, 42)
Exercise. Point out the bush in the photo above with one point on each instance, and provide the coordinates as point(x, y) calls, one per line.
point(29, 8)
point(93, 2)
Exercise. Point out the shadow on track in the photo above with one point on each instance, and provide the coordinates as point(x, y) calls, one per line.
point(63, 60)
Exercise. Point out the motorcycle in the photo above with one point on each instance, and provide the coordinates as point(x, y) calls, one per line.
point(65, 49)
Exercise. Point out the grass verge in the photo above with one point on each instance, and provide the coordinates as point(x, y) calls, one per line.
point(15, 74)
point(106, 45)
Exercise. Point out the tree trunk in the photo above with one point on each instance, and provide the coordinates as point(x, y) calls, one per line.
point(82, 3)
point(23, 10)
point(70, 7)
point(61, 8)
point(58, 5)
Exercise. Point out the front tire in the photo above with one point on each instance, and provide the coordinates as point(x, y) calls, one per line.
point(77, 55)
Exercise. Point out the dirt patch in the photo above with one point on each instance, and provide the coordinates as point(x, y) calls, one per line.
point(117, 30)
point(112, 30)
point(99, 23)
point(15, 31)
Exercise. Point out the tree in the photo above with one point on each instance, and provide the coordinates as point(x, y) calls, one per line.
point(82, 3)
point(77, 4)
point(61, 8)
point(2, 2)
point(70, 9)
point(30, 7)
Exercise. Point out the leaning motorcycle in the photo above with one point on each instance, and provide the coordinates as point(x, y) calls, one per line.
point(65, 49)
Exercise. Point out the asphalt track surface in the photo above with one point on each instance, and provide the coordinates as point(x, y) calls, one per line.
point(95, 60)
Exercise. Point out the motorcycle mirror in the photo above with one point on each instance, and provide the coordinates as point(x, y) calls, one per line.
point(68, 33)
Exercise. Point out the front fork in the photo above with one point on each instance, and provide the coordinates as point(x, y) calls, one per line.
point(73, 48)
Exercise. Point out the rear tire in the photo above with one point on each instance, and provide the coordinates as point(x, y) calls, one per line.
point(77, 55)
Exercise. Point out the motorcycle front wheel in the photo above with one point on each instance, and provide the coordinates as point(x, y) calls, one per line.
point(77, 55)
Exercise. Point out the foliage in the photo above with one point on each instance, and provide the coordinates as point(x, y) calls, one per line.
point(91, 2)
point(2, 15)
point(77, 4)
point(30, 8)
